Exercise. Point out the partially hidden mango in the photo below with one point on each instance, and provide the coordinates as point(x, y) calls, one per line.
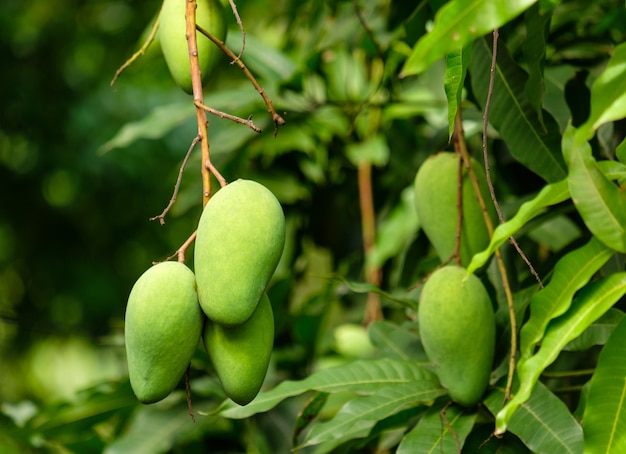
point(437, 209)
point(162, 330)
point(457, 329)
point(241, 354)
point(240, 239)
point(210, 15)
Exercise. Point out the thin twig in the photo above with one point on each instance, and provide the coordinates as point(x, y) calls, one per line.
point(505, 280)
point(459, 208)
point(188, 392)
point(278, 120)
point(243, 30)
point(216, 173)
point(367, 28)
point(161, 217)
point(140, 52)
point(228, 116)
point(444, 420)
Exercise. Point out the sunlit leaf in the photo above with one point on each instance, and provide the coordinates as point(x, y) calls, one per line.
point(361, 377)
point(457, 24)
point(534, 143)
point(456, 70)
point(571, 273)
point(601, 204)
point(598, 332)
point(592, 301)
point(608, 93)
point(439, 432)
point(604, 420)
point(543, 422)
point(357, 417)
point(551, 194)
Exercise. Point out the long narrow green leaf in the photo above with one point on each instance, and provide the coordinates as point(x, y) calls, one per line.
point(361, 377)
point(592, 301)
point(551, 194)
point(608, 93)
point(571, 273)
point(457, 24)
point(604, 420)
point(357, 417)
point(456, 70)
point(598, 332)
point(535, 144)
point(543, 422)
point(433, 434)
point(601, 204)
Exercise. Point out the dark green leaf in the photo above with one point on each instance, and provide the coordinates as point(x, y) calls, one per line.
point(534, 143)
point(308, 413)
point(456, 70)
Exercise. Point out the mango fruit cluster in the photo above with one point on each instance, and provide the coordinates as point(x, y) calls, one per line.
point(223, 303)
point(211, 16)
point(455, 314)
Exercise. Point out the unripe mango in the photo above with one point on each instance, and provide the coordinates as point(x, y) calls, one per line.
point(241, 235)
point(241, 354)
point(436, 203)
point(210, 15)
point(163, 328)
point(457, 329)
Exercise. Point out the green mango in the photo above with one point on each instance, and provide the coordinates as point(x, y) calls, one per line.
point(211, 16)
point(457, 328)
point(241, 235)
point(241, 354)
point(436, 204)
point(163, 328)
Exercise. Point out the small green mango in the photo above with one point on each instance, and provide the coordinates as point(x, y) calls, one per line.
point(457, 329)
point(241, 354)
point(436, 204)
point(163, 328)
point(211, 16)
point(241, 235)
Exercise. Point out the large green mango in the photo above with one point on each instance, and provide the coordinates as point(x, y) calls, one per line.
point(241, 354)
point(163, 328)
point(436, 203)
point(210, 15)
point(241, 235)
point(457, 329)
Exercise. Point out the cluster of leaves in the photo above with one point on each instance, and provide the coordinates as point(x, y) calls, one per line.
point(364, 84)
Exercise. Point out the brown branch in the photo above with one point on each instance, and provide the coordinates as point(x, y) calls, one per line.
point(196, 83)
point(161, 217)
point(243, 30)
point(228, 116)
point(188, 392)
point(373, 275)
point(140, 52)
point(278, 120)
point(459, 206)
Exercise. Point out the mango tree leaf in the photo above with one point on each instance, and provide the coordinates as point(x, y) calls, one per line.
point(308, 413)
point(374, 150)
point(543, 422)
point(601, 204)
point(358, 416)
point(457, 24)
point(551, 194)
point(535, 144)
point(361, 377)
point(366, 287)
point(571, 273)
point(434, 434)
point(604, 419)
point(395, 341)
point(608, 94)
point(598, 332)
point(155, 125)
point(456, 70)
point(592, 301)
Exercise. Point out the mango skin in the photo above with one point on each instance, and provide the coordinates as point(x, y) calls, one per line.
point(241, 354)
point(163, 329)
point(457, 328)
point(240, 239)
point(436, 204)
point(211, 16)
